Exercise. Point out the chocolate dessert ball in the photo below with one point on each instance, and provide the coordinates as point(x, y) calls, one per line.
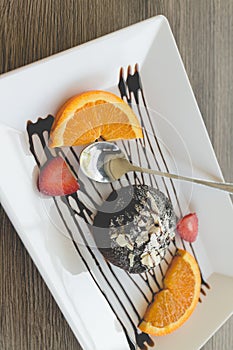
point(134, 226)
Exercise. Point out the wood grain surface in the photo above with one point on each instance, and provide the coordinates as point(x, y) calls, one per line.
point(31, 30)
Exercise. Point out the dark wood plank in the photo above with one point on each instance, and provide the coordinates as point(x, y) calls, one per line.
point(30, 30)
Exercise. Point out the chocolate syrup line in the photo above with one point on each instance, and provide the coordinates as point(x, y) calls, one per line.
point(140, 338)
point(120, 182)
point(131, 345)
point(167, 169)
point(124, 88)
point(81, 184)
point(183, 244)
point(77, 160)
point(135, 173)
point(128, 99)
point(113, 273)
point(134, 85)
point(148, 164)
point(43, 124)
point(31, 146)
point(161, 270)
point(140, 162)
point(112, 187)
point(137, 335)
point(152, 151)
point(172, 182)
point(138, 287)
point(203, 291)
point(148, 139)
point(146, 280)
point(159, 148)
point(169, 250)
point(175, 244)
point(153, 275)
point(134, 91)
point(124, 291)
point(92, 183)
point(81, 206)
point(121, 285)
point(38, 129)
point(165, 260)
point(111, 270)
point(137, 86)
point(129, 154)
point(45, 148)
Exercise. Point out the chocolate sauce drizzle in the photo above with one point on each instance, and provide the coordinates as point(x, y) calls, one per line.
point(39, 128)
point(129, 88)
point(134, 86)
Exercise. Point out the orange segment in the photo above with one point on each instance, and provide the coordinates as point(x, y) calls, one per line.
point(174, 304)
point(87, 117)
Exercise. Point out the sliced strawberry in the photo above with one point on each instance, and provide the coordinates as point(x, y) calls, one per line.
point(56, 179)
point(187, 227)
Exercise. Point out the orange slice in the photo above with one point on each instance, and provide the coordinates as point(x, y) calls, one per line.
point(174, 304)
point(92, 115)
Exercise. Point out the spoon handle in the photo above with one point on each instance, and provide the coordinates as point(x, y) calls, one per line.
point(228, 187)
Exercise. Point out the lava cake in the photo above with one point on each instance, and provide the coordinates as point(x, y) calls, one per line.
point(134, 227)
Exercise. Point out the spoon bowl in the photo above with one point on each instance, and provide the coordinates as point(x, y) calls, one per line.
point(95, 161)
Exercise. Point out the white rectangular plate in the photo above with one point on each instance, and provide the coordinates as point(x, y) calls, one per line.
point(39, 89)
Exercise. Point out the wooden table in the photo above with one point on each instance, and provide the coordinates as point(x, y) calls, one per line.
point(31, 30)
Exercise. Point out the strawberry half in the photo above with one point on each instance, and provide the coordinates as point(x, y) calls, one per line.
point(187, 227)
point(56, 179)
